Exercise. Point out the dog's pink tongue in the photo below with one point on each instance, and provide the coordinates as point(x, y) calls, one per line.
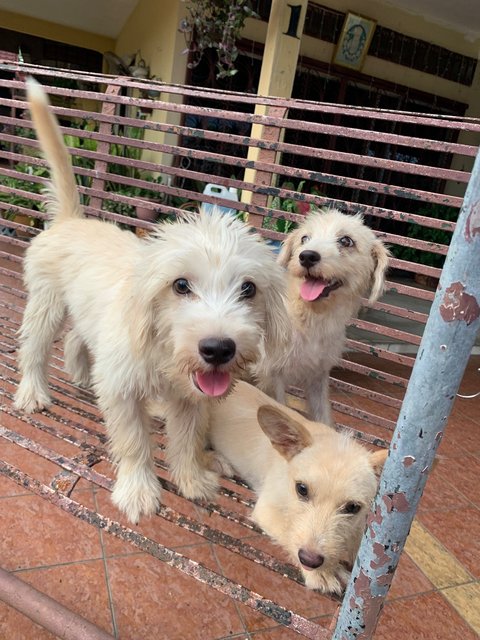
point(213, 383)
point(312, 288)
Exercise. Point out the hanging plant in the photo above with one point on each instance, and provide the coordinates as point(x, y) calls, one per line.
point(215, 24)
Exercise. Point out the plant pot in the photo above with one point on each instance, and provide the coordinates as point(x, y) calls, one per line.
point(28, 221)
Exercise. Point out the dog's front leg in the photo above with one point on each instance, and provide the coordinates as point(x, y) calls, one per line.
point(137, 489)
point(187, 425)
point(318, 399)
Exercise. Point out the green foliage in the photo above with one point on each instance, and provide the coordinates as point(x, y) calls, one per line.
point(289, 205)
point(11, 183)
point(439, 236)
point(133, 192)
point(215, 24)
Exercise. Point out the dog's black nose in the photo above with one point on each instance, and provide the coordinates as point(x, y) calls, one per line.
point(310, 559)
point(309, 258)
point(217, 351)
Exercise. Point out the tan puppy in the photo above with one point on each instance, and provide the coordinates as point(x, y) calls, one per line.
point(314, 484)
point(332, 260)
point(181, 315)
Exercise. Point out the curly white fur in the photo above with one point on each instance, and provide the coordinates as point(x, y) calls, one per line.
point(143, 335)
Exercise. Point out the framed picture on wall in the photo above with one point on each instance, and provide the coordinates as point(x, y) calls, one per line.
point(352, 46)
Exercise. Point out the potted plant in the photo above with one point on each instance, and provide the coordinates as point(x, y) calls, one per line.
point(215, 24)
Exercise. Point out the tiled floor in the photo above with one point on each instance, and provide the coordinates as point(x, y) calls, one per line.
point(435, 593)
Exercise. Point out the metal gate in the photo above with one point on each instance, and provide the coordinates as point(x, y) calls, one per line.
point(163, 144)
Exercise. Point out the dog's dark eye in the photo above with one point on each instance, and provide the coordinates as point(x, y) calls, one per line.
point(182, 287)
point(304, 239)
point(351, 508)
point(346, 241)
point(248, 290)
point(302, 490)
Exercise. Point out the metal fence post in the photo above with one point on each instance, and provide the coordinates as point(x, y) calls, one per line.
point(443, 354)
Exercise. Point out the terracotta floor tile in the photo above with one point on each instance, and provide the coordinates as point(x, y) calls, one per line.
point(152, 600)
point(427, 617)
point(439, 494)
point(463, 432)
point(81, 587)
point(459, 532)
point(465, 599)
point(408, 580)
point(440, 566)
point(284, 633)
point(273, 586)
point(463, 474)
point(156, 528)
point(35, 533)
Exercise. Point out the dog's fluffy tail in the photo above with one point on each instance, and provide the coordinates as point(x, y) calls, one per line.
point(63, 198)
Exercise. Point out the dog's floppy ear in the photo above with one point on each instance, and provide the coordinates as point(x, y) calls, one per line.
point(142, 309)
point(287, 250)
point(288, 436)
point(380, 255)
point(377, 460)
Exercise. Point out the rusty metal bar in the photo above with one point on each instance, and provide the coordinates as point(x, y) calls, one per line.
point(446, 121)
point(47, 612)
point(444, 351)
point(266, 120)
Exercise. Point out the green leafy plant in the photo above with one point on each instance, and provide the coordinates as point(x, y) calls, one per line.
point(215, 24)
point(428, 234)
point(289, 205)
point(132, 191)
point(16, 200)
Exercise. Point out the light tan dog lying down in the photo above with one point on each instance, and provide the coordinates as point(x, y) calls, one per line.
point(314, 484)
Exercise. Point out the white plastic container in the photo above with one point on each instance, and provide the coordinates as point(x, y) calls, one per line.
point(220, 191)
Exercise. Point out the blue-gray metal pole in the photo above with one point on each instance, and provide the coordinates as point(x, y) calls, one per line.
point(443, 355)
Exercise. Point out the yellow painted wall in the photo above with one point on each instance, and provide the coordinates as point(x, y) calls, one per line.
point(415, 26)
point(52, 31)
point(152, 28)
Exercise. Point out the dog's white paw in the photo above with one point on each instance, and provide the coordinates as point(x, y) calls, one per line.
point(137, 494)
point(327, 581)
point(30, 398)
point(203, 485)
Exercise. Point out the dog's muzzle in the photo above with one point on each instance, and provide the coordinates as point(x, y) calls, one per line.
point(310, 560)
point(215, 352)
point(309, 258)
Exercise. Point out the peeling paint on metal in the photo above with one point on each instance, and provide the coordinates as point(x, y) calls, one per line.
point(472, 225)
point(458, 305)
point(370, 603)
point(382, 557)
point(374, 518)
point(396, 502)
point(408, 461)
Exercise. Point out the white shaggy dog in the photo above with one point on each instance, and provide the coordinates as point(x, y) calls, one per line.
point(180, 316)
point(332, 260)
point(314, 484)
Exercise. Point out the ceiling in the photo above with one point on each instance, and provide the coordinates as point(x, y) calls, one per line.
point(459, 15)
point(107, 17)
point(103, 17)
